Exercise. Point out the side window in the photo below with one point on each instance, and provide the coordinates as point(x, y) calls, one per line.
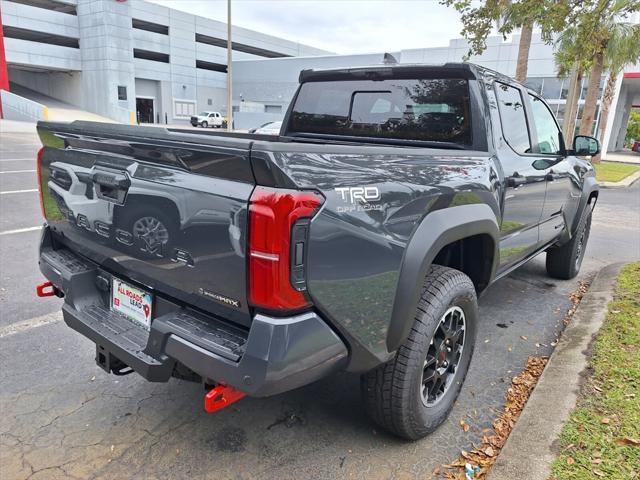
point(546, 128)
point(512, 116)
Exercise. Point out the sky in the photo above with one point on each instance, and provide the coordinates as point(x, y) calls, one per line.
point(339, 26)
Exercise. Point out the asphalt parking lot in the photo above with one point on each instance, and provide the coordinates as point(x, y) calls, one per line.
point(63, 417)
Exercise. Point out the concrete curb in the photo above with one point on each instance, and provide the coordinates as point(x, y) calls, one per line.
point(529, 450)
point(625, 182)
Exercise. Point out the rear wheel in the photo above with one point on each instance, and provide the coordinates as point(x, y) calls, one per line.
point(564, 262)
point(412, 394)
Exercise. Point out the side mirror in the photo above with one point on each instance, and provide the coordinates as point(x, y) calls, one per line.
point(585, 146)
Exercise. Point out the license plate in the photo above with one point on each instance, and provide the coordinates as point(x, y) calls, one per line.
point(132, 302)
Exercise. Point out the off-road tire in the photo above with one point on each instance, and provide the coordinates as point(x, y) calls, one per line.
point(392, 393)
point(564, 262)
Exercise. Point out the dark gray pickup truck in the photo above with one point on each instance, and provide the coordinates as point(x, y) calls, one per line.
point(358, 239)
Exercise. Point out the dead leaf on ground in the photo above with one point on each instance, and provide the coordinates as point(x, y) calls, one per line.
point(570, 461)
point(605, 421)
point(598, 472)
point(485, 455)
point(628, 442)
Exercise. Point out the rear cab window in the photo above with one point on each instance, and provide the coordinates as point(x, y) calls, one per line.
point(434, 110)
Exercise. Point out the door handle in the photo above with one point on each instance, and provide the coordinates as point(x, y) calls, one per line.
point(551, 176)
point(111, 186)
point(516, 182)
point(111, 180)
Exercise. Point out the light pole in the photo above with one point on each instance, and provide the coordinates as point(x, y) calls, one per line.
point(229, 71)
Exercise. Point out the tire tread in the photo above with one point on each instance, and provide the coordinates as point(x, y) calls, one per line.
point(387, 389)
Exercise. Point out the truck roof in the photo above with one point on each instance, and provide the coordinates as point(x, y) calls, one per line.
point(403, 70)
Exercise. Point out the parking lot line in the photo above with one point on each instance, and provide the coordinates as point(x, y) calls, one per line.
point(16, 159)
point(20, 230)
point(19, 191)
point(17, 171)
point(29, 324)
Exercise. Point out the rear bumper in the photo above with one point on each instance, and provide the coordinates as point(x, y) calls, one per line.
point(273, 356)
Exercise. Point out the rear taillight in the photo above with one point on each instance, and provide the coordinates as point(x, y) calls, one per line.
point(278, 226)
point(39, 175)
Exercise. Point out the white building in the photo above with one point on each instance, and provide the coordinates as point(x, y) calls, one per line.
point(124, 59)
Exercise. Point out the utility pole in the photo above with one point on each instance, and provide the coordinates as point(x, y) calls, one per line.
point(229, 71)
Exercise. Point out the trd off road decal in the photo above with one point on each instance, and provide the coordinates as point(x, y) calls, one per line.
point(358, 198)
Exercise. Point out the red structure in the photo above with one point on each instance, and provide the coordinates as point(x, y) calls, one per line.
point(4, 74)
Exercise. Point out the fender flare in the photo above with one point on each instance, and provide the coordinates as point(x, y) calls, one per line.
point(437, 230)
point(589, 186)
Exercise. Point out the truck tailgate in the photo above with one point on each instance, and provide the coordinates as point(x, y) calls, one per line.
point(164, 211)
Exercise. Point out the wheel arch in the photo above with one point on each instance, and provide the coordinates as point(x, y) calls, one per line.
point(588, 199)
point(442, 235)
point(137, 200)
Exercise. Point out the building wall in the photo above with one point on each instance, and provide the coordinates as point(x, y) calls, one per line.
point(88, 74)
point(106, 41)
point(272, 82)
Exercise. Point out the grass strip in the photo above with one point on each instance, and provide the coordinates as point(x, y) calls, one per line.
point(602, 437)
point(613, 171)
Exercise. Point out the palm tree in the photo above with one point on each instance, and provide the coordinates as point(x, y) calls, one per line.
point(622, 49)
point(617, 44)
point(570, 65)
point(480, 18)
point(591, 99)
point(524, 46)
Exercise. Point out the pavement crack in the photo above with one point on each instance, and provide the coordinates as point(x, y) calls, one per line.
point(67, 414)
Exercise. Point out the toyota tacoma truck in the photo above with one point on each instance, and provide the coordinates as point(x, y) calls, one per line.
point(359, 239)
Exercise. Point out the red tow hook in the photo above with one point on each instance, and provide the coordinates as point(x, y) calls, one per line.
point(220, 397)
point(46, 289)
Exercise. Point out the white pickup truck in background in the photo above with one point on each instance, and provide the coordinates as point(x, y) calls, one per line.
point(208, 119)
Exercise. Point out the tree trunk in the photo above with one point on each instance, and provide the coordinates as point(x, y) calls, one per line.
point(590, 102)
point(571, 106)
point(607, 98)
point(605, 106)
point(523, 52)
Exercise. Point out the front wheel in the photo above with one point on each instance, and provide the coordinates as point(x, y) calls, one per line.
point(412, 394)
point(564, 262)
point(204, 124)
